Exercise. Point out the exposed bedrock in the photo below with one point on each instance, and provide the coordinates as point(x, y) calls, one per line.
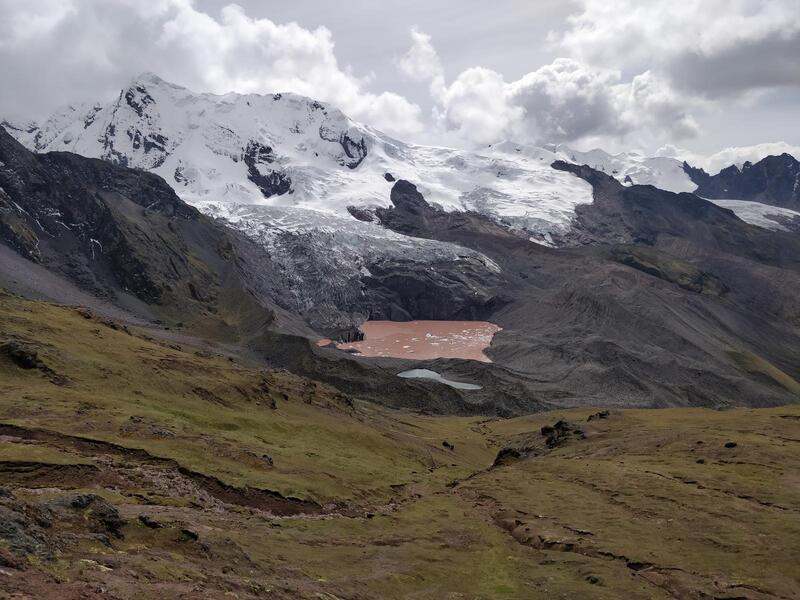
point(271, 182)
point(773, 180)
point(342, 271)
point(124, 236)
point(453, 290)
point(663, 299)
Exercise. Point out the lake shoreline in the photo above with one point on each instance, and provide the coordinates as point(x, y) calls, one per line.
point(424, 340)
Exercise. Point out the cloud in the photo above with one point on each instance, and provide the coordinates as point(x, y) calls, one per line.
point(421, 62)
point(652, 103)
point(477, 107)
point(708, 47)
point(111, 41)
point(565, 101)
point(21, 20)
point(631, 73)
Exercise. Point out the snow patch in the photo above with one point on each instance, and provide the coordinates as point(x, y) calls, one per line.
point(761, 215)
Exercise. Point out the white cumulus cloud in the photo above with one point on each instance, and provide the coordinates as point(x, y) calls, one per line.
point(709, 47)
point(421, 62)
point(630, 73)
point(112, 40)
point(565, 101)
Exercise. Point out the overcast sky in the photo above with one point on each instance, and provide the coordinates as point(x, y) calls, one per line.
point(673, 78)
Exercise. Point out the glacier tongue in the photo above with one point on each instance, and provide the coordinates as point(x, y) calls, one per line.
point(766, 216)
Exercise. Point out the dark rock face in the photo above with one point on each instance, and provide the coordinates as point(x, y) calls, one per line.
point(25, 357)
point(697, 175)
point(20, 355)
point(356, 151)
point(120, 233)
point(598, 416)
point(189, 536)
point(257, 153)
point(100, 516)
point(362, 214)
point(68, 211)
point(643, 305)
point(149, 522)
point(389, 177)
point(348, 336)
point(406, 198)
point(455, 290)
point(138, 98)
point(151, 143)
point(40, 529)
point(19, 530)
point(774, 180)
point(557, 434)
point(274, 182)
point(508, 455)
point(463, 289)
point(646, 216)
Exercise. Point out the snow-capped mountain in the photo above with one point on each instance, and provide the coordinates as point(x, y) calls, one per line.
point(630, 168)
point(288, 170)
point(634, 168)
point(222, 152)
point(290, 151)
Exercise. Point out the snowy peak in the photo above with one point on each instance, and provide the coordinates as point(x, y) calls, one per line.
point(286, 150)
point(774, 180)
point(221, 152)
point(208, 146)
point(630, 168)
point(289, 150)
point(633, 168)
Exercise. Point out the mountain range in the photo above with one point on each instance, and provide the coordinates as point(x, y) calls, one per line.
point(615, 282)
point(176, 422)
point(285, 150)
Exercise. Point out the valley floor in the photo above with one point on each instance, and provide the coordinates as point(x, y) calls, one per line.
point(134, 467)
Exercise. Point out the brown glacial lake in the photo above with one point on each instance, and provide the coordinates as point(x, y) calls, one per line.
point(425, 340)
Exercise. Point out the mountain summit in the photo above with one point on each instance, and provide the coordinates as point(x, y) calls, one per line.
point(220, 152)
point(282, 149)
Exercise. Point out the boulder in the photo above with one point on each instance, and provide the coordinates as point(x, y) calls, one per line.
point(100, 516)
point(560, 432)
point(22, 356)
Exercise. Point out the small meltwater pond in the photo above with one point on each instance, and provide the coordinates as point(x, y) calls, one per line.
point(428, 374)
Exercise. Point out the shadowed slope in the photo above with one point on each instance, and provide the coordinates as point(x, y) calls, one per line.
point(648, 311)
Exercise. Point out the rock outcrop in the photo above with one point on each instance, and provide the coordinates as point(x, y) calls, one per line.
point(774, 180)
point(124, 236)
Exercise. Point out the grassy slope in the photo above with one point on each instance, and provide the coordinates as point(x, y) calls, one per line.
point(216, 415)
point(626, 511)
